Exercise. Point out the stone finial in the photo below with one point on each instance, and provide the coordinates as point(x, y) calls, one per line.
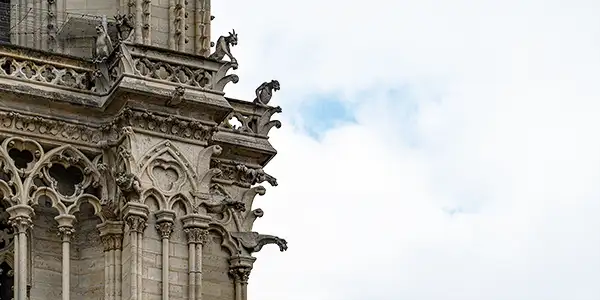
point(265, 91)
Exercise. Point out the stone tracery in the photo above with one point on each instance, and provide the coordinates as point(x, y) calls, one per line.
point(132, 148)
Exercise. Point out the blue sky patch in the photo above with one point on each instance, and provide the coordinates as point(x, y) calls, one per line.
point(324, 113)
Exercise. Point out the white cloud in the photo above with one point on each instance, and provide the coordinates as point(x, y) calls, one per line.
point(503, 129)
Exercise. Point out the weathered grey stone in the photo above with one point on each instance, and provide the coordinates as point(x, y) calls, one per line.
point(121, 173)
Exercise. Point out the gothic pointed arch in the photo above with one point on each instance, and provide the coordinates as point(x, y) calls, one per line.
point(185, 200)
point(156, 194)
point(167, 169)
point(228, 242)
point(68, 173)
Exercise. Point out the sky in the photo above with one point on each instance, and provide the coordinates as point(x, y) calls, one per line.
point(430, 149)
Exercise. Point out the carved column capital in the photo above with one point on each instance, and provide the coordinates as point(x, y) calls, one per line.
point(165, 229)
point(196, 235)
point(20, 217)
point(65, 226)
point(21, 223)
point(136, 223)
point(240, 274)
point(65, 232)
point(112, 241)
point(111, 234)
point(136, 215)
point(240, 267)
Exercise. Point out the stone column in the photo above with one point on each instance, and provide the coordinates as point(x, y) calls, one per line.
point(136, 215)
point(172, 25)
point(20, 219)
point(138, 22)
point(240, 268)
point(111, 233)
point(196, 228)
point(52, 25)
point(181, 25)
point(164, 225)
point(65, 231)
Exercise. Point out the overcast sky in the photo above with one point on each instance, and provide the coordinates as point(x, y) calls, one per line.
point(430, 149)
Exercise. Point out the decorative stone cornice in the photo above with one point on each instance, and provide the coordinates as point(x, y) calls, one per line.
point(60, 130)
point(163, 124)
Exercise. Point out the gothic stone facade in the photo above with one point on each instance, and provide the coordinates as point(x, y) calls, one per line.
point(121, 175)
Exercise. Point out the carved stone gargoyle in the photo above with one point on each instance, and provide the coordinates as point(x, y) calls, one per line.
point(129, 184)
point(219, 206)
point(223, 48)
point(176, 97)
point(264, 92)
point(104, 46)
point(254, 241)
point(124, 27)
point(255, 176)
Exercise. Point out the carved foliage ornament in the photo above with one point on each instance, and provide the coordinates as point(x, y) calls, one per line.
point(56, 129)
point(112, 241)
point(164, 124)
point(196, 235)
point(164, 229)
point(136, 224)
point(240, 274)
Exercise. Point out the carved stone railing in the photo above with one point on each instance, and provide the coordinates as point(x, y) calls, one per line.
point(45, 68)
point(164, 65)
point(254, 120)
point(142, 61)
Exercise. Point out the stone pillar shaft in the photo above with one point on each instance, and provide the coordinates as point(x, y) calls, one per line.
point(65, 230)
point(136, 215)
point(20, 219)
point(164, 226)
point(182, 22)
point(196, 229)
point(111, 233)
point(138, 21)
point(172, 25)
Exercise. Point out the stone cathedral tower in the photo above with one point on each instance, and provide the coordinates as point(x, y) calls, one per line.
point(122, 174)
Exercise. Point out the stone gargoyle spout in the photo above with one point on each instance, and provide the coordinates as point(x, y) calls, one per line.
point(253, 241)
